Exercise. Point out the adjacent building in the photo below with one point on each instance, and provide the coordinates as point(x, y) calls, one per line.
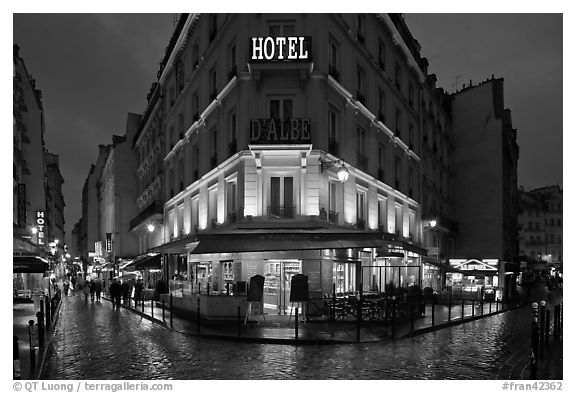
point(540, 227)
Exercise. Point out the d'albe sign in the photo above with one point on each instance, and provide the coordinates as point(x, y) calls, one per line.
point(272, 48)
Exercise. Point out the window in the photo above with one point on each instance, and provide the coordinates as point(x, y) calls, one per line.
point(410, 136)
point(360, 85)
point(212, 88)
point(232, 60)
point(381, 213)
point(381, 55)
point(361, 140)
point(382, 106)
point(179, 72)
point(181, 174)
point(280, 107)
point(212, 26)
point(171, 137)
point(397, 172)
point(214, 147)
point(194, 56)
point(181, 126)
point(398, 123)
point(281, 197)
point(397, 76)
point(361, 209)
point(381, 161)
point(411, 182)
point(171, 182)
point(361, 28)
point(231, 200)
point(410, 95)
point(281, 29)
point(332, 130)
point(196, 103)
point(233, 147)
point(195, 162)
point(333, 59)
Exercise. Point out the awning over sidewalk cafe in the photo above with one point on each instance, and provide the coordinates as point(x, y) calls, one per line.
point(29, 264)
point(446, 267)
point(143, 262)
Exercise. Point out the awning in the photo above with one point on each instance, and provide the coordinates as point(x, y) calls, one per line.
point(174, 247)
point(443, 266)
point(143, 262)
point(29, 264)
point(232, 243)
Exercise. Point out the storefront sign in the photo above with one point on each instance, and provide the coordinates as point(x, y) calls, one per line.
point(280, 131)
point(97, 249)
point(280, 48)
point(108, 242)
point(299, 288)
point(433, 250)
point(40, 221)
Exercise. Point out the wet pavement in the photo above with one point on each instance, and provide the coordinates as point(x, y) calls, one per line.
point(92, 341)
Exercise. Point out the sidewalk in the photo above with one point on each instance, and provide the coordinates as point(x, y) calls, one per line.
point(22, 313)
point(281, 330)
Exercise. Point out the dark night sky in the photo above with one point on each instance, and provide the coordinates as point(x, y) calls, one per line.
point(94, 68)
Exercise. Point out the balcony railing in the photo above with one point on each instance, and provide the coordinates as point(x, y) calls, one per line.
point(213, 95)
point(333, 217)
point(281, 211)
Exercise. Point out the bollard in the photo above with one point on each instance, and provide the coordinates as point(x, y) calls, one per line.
point(358, 318)
point(534, 358)
point(142, 304)
point(450, 308)
point(227, 289)
point(462, 309)
point(547, 326)
point(171, 319)
point(152, 307)
point(411, 317)
point(198, 317)
point(296, 323)
point(40, 324)
point(333, 302)
point(496, 305)
point(32, 350)
point(542, 326)
point(16, 359)
point(239, 322)
point(433, 301)
point(208, 289)
point(490, 307)
point(163, 311)
point(472, 307)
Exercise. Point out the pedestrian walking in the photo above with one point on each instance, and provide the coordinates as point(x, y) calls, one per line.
point(115, 293)
point(92, 290)
point(98, 289)
point(73, 284)
point(66, 287)
point(86, 289)
point(138, 291)
point(125, 289)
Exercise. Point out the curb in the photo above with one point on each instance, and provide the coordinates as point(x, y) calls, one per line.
point(456, 322)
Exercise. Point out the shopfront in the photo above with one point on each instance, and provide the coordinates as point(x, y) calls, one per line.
point(474, 278)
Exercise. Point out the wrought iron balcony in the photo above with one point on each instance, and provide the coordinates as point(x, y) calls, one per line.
point(281, 211)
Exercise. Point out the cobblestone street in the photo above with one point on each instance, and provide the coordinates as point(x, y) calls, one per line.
point(92, 341)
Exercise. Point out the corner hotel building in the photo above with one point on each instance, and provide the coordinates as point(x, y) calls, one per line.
point(239, 158)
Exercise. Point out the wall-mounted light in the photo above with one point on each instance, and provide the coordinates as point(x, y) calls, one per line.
point(433, 223)
point(343, 172)
point(150, 228)
point(34, 230)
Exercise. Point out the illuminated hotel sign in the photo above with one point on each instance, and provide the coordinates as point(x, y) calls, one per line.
point(280, 131)
point(280, 48)
point(40, 223)
point(108, 242)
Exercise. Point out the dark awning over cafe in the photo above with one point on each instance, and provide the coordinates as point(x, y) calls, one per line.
point(145, 262)
point(29, 264)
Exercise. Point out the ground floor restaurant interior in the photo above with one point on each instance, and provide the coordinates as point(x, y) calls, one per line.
point(330, 272)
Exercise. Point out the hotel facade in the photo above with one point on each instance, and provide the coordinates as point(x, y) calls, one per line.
point(287, 144)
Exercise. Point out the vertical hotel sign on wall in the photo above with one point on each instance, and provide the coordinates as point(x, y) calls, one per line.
point(40, 222)
point(108, 242)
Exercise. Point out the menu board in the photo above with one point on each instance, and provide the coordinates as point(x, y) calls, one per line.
point(256, 289)
point(299, 288)
point(314, 281)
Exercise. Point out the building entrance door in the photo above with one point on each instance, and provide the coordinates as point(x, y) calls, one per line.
point(278, 275)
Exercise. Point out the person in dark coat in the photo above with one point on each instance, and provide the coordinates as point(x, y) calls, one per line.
point(125, 288)
point(98, 289)
point(138, 291)
point(115, 294)
point(92, 290)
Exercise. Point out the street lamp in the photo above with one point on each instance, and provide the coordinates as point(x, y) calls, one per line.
point(34, 230)
point(150, 228)
point(343, 172)
point(433, 223)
